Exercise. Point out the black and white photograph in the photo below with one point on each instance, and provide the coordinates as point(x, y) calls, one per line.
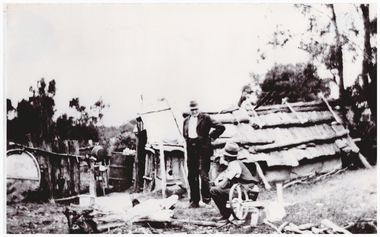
point(204, 117)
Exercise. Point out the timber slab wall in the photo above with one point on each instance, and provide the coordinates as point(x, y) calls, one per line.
point(60, 172)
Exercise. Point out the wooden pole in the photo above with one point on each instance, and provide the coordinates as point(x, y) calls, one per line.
point(136, 163)
point(92, 182)
point(280, 196)
point(259, 122)
point(76, 166)
point(364, 161)
point(186, 171)
point(336, 117)
point(163, 169)
point(262, 176)
point(302, 121)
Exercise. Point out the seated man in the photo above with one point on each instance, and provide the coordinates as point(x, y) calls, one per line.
point(236, 172)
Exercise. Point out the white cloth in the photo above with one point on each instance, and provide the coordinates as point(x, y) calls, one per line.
point(233, 171)
point(193, 127)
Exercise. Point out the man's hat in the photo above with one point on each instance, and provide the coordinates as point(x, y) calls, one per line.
point(193, 104)
point(247, 89)
point(231, 149)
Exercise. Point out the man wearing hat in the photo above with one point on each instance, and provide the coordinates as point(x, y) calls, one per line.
point(196, 131)
point(236, 172)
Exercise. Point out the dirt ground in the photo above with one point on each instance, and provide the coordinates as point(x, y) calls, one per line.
point(340, 198)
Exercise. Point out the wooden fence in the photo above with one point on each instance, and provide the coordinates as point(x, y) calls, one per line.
point(65, 170)
point(60, 170)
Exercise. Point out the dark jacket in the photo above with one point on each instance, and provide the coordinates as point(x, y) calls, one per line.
point(205, 123)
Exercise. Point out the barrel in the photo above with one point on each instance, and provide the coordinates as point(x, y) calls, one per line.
point(98, 152)
point(23, 174)
point(121, 171)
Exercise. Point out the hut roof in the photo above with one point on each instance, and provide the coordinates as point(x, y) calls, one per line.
point(283, 135)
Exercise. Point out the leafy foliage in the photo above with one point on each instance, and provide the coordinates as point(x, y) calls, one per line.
point(98, 108)
point(34, 121)
point(82, 129)
point(127, 138)
point(366, 130)
point(298, 82)
point(69, 128)
point(34, 116)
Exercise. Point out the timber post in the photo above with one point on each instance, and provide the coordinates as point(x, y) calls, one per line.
point(163, 168)
point(92, 182)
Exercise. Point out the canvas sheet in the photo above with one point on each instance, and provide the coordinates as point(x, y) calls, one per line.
point(161, 125)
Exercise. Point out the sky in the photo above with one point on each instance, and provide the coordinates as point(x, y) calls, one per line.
point(130, 54)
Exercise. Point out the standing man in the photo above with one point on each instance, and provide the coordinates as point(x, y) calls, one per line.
point(196, 131)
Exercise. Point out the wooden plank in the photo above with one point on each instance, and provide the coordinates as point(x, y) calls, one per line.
point(156, 111)
point(257, 141)
point(149, 171)
point(117, 179)
point(195, 222)
point(297, 142)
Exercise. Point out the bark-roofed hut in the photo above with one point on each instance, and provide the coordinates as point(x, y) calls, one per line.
point(288, 140)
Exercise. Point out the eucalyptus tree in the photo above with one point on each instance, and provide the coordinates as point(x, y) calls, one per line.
point(337, 37)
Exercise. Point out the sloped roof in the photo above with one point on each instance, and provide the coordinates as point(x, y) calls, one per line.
point(283, 135)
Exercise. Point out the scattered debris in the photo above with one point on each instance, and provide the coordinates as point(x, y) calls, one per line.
point(335, 227)
point(94, 219)
point(201, 223)
point(312, 178)
point(271, 225)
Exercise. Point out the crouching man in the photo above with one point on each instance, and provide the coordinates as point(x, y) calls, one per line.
point(236, 172)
